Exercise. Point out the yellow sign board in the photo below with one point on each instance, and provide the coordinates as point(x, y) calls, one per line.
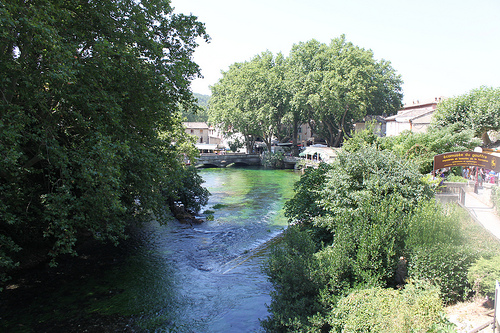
point(467, 158)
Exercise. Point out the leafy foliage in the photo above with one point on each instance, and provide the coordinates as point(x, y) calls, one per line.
point(198, 112)
point(304, 205)
point(417, 308)
point(326, 86)
point(445, 265)
point(421, 148)
point(365, 211)
point(432, 224)
point(483, 274)
point(357, 213)
point(291, 268)
point(250, 99)
point(335, 84)
point(273, 160)
point(477, 110)
point(361, 178)
point(89, 96)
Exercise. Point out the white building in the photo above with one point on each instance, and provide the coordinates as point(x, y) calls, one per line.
point(414, 118)
point(206, 134)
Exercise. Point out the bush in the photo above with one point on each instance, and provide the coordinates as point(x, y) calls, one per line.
point(483, 274)
point(366, 249)
point(495, 197)
point(305, 203)
point(433, 224)
point(273, 160)
point(444, 265)
point(456, 179)
point(417, 308)
point(290, 269)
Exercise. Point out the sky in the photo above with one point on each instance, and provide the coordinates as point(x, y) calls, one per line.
point(441, 48)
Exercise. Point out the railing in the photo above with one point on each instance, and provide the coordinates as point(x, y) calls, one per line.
point(452, 192)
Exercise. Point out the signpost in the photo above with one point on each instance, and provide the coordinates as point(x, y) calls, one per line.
point(477, 159)
point(467, 158)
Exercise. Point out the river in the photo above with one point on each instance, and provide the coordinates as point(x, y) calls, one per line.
point(174, 277)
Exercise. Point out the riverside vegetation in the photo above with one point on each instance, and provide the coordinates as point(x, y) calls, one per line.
point(90, 105)
point(352, 222)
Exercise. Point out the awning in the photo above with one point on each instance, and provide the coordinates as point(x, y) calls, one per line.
point(325, 153)
point(206, 146)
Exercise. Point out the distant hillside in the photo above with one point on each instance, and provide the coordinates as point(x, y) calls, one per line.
point(201, 115)
point(202, 100)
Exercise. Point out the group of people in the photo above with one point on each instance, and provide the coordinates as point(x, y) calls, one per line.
point(483, 176)
point(488, 176)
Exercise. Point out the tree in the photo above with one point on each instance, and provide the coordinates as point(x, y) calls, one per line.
point(341, 83)
point(249, 99)
point(89, 96)
point(420, 148)
point(301, 78)
point(357, 219)
point(477, 110)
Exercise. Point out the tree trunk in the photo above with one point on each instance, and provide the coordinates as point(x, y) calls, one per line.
point(486, 138)
point(295, 149)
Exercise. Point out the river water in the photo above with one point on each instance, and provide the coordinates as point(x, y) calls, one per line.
point(177, 277)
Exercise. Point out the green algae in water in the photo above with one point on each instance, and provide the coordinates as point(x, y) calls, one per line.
point(151, 286)
point(219, 206)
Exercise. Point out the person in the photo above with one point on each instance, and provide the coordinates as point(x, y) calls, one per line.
point(442, 175)
point(401, 272)
point(492, 177)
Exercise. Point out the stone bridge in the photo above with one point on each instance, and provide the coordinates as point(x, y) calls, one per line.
point(223, 160)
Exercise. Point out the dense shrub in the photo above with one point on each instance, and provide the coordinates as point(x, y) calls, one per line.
point(365, 251)
point(291, 268)
point(366, 199)
point(483, 274)
point(273, 160)
point(305, 203)
point(444, 265)
point(358, 217)
point(495, 197)
point(432, 224)
point(417, 308)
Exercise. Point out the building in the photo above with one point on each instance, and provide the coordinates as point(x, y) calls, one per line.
point(304, 135)
point(378, 121)
point(206, 134)
point(415, 118)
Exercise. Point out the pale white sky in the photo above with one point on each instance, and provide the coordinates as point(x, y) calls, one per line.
point(440, 47)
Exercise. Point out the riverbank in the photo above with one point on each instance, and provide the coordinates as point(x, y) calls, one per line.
point(179, 277)
point(25, 301)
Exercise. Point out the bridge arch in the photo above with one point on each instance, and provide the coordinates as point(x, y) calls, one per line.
point(222, 161)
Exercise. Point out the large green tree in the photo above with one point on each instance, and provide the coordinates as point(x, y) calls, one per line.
point(334, 85)
point(477, 110)
point(350, 227)
point(250, 99)
point(89, 95)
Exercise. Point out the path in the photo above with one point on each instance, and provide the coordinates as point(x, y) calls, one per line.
point(481, 209)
